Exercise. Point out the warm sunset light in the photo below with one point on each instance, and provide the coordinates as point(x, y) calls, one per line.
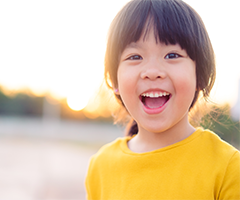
point(77, 103)
point(53, 46)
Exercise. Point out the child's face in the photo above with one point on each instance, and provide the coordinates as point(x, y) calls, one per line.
point(157, 83)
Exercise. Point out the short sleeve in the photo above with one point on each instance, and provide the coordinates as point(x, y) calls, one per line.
point(231, 183)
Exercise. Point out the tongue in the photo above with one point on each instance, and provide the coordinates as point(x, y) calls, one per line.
point(155, 102)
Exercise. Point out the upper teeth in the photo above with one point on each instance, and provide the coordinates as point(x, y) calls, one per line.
point(155, 94)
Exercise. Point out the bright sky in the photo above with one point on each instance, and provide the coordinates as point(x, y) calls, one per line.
point(58, 45)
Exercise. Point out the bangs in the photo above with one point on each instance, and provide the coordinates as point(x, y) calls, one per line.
point(172, 22)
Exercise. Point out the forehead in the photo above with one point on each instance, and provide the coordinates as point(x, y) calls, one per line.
point(149, 36)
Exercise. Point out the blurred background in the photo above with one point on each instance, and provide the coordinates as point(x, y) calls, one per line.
point(55, 111)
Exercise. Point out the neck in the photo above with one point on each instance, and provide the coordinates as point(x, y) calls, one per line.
point(146, 141)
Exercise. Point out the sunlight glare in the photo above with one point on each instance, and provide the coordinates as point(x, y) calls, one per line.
point(77, 103)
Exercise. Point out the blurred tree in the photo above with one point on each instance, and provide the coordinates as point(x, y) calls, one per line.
point(219, 120)
point(20, 104)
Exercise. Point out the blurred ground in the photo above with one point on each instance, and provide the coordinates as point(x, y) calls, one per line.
point(47, 160)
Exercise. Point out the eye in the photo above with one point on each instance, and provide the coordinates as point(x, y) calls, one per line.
point(172, 56)
point(134, 57)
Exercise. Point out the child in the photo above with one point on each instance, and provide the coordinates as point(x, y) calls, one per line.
point(158, 60)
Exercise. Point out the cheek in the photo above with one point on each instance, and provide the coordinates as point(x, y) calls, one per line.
point(125, 87)
point(186, 84)
point(125, 78)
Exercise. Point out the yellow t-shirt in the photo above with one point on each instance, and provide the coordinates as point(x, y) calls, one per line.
point(199, 167)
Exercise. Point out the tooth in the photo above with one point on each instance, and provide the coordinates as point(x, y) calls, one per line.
point(155, 94)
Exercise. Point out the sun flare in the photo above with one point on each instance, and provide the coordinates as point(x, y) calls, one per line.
point(77, 103)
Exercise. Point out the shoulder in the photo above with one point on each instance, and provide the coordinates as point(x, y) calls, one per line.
point(213, 152)
point(112, 146)
point(102, 161)
point(99, 166)
point(217, 147)
point(109, 151)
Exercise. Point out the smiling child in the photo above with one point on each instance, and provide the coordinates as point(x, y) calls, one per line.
point(158, 60)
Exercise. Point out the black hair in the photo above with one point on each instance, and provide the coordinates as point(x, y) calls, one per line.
point(173, 22)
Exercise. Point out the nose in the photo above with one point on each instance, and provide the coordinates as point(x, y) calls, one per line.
point(153, 70)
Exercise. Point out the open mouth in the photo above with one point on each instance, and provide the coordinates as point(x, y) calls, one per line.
point(154, 100)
